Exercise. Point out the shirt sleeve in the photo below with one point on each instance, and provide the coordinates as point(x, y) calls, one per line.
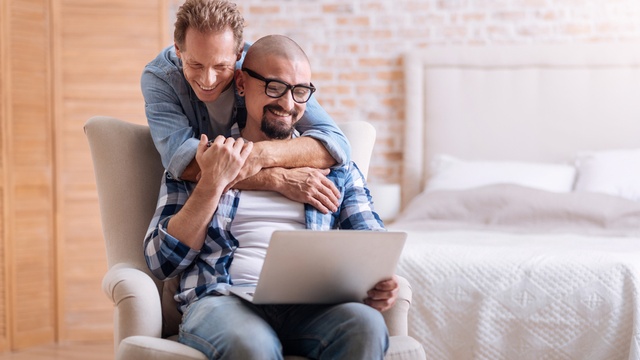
point(165, 255)
point(317, 123)
point(171, 131)
point(356, 210)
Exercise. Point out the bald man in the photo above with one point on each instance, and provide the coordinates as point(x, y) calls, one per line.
point(213, 237)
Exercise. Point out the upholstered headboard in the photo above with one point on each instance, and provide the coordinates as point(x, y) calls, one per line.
point(520, 102)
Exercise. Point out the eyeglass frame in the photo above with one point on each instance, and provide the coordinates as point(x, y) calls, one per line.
point(267, 81)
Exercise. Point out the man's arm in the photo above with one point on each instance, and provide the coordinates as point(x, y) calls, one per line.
point(220, 161)
point(172, 133)
point(175, 234)
point(357, 207)
point(291, 153)
point(307, 185)
point(304, 185)
point(317, 123)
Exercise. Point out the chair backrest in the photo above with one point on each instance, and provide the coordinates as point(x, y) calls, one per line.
point(362, 137)
point(128, 173)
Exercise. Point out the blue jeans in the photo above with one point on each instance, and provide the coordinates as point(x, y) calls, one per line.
point(225, 327)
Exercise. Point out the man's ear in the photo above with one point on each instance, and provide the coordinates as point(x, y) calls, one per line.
point(239, 56)
point(177, 50)
point(239, 78)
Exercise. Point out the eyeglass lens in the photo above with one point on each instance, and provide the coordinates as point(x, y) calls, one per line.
point(276, 88)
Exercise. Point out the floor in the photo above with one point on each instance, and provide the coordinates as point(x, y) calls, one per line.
point(70, 351)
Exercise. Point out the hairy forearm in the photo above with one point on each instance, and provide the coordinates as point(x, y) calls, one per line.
point(190, 224)
point(293, 153)
point(265, 179)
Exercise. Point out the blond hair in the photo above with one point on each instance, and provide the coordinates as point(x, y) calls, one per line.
point(207, 16)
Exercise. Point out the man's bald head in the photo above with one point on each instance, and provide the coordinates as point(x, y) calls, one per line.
point(274, 45)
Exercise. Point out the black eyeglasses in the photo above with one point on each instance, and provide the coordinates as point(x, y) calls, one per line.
point(276, 88)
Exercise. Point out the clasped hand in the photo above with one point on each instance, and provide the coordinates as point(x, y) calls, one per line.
point(220, 160)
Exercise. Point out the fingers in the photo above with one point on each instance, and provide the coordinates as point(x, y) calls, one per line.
point(324, 195)
point(383, 295)
point(380, 305)
point(387, 285)
point(222, 158)
point(204, 143)
point(246, 150)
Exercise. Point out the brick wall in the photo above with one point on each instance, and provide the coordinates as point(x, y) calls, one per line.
point(355, 46)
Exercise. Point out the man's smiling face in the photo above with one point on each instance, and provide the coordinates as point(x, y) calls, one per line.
point(208, 62)
point(275, 116)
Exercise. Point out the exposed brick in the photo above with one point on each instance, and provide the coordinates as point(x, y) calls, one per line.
point(354, 77)
point(338, 8)
point(377, 62)
point(354, 20)
point(349, 103)
point(264, 10)
point(577, 29)
point(390, 75)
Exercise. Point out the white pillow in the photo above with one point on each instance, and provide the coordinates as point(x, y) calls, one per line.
point(450, 173)
point(613, 172)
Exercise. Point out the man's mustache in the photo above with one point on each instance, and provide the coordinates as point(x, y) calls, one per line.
point(277, 108)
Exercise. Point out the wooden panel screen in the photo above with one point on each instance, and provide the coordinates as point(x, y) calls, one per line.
point(29, 189)
point(61, 62)
point(103, 47)
point(4, 320)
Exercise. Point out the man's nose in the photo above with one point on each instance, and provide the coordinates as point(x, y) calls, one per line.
point(286, 100)
point(210, 77)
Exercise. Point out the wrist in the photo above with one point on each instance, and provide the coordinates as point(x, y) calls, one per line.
point(263, 154)
point(210, 184)
point(273, 178)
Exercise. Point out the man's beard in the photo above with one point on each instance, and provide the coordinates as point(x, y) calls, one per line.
point(276, 129)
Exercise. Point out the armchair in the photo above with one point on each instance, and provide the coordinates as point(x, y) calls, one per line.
point(128, 172)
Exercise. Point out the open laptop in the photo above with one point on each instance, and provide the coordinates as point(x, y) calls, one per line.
point(324, 267)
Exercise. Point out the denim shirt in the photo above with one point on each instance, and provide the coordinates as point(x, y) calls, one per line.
point(177, 117)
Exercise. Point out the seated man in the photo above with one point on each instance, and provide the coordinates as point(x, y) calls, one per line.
point(212, 236)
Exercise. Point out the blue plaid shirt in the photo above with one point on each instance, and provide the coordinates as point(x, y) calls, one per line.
point(206, 271)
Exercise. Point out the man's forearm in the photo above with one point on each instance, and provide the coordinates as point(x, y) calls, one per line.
point(191, 172)
point(265, 179)
point(299, 152)
point(191, 222)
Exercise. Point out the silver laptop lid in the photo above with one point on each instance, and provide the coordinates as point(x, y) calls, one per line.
point(321, 267)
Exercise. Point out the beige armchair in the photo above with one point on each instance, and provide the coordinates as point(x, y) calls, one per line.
point(128, 172)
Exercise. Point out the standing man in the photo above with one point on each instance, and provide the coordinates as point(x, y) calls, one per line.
point(189, 91)
point(213, 237)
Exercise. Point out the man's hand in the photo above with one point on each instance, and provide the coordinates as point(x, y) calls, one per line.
point(310, 186)
point(383, 295)
point(252, 165)
point(221, 160)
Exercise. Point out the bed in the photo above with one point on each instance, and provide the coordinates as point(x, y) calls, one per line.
point(521, 198)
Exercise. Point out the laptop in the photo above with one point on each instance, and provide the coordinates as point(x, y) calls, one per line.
point(324, 267)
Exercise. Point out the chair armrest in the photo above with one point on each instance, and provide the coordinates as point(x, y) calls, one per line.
point(396, 318)
point(136, 299)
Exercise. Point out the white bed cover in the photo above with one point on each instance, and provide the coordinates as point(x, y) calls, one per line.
point(497, 295)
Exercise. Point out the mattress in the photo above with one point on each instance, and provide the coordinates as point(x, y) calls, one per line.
point(496, 295)
point(508, 272)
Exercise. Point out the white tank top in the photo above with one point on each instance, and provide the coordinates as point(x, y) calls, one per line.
point(259, 214)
